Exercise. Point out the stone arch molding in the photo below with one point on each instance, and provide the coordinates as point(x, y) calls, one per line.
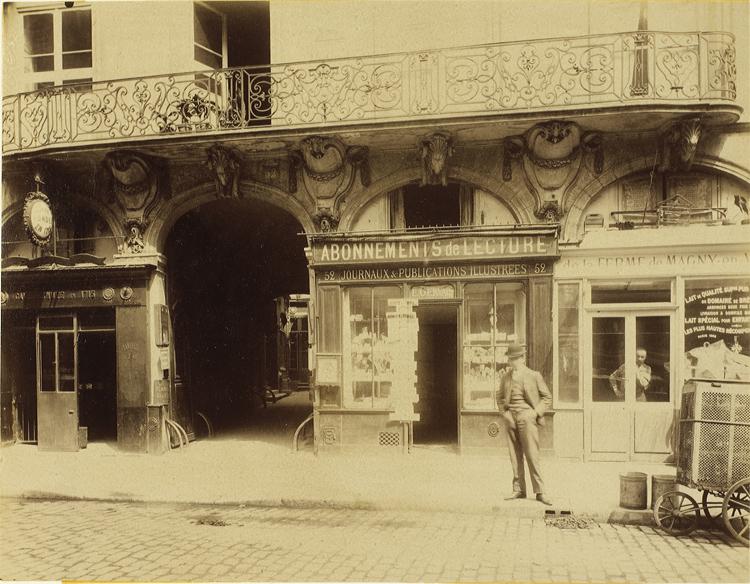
point(105, 212)
point(588, 192)
point(156, 235)
point(514, 200)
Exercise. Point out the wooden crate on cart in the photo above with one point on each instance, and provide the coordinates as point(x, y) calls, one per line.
point(713, 457)
point(714, 449)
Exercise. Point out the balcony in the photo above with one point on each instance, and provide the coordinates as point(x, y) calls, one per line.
point(631, 70)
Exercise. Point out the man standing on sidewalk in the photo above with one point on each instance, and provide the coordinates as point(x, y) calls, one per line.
point(522, 399)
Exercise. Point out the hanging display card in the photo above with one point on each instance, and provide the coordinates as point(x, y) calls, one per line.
point(403, 331)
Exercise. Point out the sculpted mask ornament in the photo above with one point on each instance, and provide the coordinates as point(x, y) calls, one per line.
point(135, 181)
point(680, 144)
point(434, 153)
point(551, 156)
point(136, 187)
point(549, 212)
point(326, 220)
point(225, 167)
point(327, 167)
point(134, 240)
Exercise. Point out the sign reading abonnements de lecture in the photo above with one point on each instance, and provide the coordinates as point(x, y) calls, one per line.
point(441, 247)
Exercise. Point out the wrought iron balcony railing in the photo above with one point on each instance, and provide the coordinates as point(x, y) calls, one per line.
point(593, 71)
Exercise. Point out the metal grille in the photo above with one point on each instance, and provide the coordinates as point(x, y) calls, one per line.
point(716, 406)
point(741, 453)
point(742, 408)
point(389, 439)
point(688, 406)
point(685, 453)
point(713, 464)
point(27, 423)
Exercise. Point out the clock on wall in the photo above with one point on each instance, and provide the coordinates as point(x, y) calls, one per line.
point(38, 219)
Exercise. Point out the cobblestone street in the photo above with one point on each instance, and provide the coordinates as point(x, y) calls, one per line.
point(90, 540)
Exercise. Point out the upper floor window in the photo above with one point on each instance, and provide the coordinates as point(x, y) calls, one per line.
point(58, 47)
point(209, 37)
point(431, 206)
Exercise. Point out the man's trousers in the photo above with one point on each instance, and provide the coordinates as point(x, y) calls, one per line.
point(523, 440)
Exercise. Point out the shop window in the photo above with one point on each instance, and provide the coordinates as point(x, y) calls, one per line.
point(209, 37)
point(630, 359)
point(328, 325)
point(631, 292)
point(652, 358)
point(368, 371)
point(608, 355)
point(58, 47)
point(568, 341)
point(329, 320)
point(494, 316)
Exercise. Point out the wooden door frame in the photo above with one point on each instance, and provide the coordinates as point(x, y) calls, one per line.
point(629, 313)
point(68, 399)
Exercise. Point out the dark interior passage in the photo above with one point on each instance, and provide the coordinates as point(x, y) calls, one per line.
point(437, 373)
point(228, 262)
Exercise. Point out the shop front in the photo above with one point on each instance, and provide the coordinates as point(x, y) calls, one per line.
point(411, 329)
point(75, 355)
point(639, 313)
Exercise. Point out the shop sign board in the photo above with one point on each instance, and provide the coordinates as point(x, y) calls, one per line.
point(161, 392)
point(433, 291)
point(82, 297)
point(650, 264)
point(504, 247)
point(435, 273)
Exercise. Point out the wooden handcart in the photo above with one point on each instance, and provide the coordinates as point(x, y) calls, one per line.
point(713, 457)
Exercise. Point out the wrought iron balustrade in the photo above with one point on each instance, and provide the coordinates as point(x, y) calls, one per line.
point(591, 71)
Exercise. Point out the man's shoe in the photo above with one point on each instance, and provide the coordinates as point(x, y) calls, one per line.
point(516, 495)
point(544, 499)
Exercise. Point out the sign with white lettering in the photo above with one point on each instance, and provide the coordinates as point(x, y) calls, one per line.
point(484, 248)
point(434, 291)
point(427, 273)
point(717, 329)
point(721, 312)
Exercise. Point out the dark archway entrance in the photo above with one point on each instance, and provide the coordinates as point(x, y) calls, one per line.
point(233, 264)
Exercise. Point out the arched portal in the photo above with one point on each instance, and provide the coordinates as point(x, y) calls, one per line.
point(235, 269)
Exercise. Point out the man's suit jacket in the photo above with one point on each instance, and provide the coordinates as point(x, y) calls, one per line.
point(535, 392)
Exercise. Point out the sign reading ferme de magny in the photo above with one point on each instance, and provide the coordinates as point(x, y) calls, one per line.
point(501, 247)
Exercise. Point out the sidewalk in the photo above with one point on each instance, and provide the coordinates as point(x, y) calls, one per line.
point(258, 470)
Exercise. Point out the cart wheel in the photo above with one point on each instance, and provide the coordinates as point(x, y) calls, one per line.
point(736, 510)
point(676, 513)
point(712, 509)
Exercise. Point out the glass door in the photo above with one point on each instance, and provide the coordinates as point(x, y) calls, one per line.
point(629, 411)
point(57, 400)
